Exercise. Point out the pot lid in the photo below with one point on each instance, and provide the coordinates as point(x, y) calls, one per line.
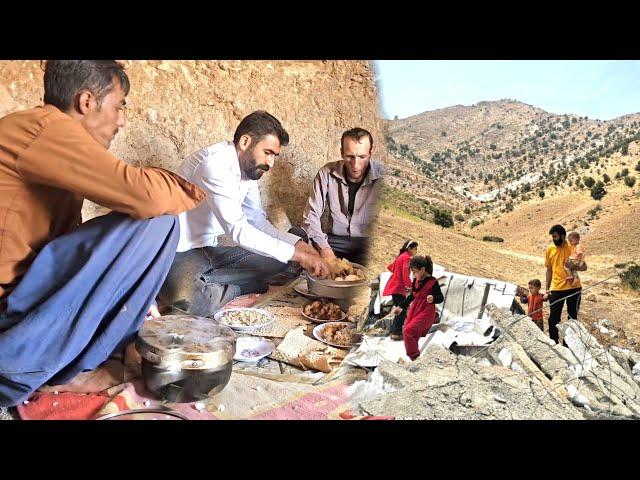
point(186, 342)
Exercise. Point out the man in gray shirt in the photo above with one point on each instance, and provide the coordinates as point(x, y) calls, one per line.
point(348, 189)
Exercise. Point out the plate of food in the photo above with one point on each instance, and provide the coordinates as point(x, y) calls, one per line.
point(244, 319)
point(252, 349)
point(321, 311)
point(337, 334)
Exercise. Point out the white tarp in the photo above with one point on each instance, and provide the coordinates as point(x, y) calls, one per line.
point(464, 306)
point(463, 317)
point(381, 299)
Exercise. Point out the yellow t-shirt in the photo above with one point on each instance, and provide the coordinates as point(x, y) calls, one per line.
point(555, 257)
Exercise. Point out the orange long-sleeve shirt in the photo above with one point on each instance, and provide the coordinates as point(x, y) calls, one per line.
point(48, 165)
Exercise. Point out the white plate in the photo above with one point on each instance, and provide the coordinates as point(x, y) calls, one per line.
point(239, 328)
point(317, 320)
point(260, 347)
point(318, 330)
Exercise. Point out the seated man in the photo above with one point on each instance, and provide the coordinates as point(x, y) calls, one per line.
point(73, 293)
point(349, 190)
point(205, 276)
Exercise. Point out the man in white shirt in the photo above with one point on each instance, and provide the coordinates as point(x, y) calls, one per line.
point(204, 275)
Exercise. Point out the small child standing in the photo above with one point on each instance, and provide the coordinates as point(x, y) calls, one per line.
point(575, 260)
point(534, 302)
point(425, 293)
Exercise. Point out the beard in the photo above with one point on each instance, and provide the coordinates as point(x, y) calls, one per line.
point(558, 242)
point(253, 171)
point(256, 172)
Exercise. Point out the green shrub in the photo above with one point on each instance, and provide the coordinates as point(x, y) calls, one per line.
point(631, 277)
point(442, 217)
point(598, 191)
point(490, 238)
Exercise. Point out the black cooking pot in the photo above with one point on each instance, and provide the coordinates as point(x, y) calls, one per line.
point(186, 358)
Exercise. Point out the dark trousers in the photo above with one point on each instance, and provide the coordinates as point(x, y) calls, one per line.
point(83, 298)
point(573, 305)
point(203, 280)
point(398, 321)
point(354, 249)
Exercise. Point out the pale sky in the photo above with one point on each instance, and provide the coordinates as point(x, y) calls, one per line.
point(598, 89)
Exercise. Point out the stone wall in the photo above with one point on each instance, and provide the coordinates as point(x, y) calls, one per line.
point(176, 107)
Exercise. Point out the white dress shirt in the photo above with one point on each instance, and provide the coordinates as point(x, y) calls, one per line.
point(232, 207)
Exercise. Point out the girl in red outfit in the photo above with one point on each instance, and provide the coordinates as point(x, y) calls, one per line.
point(399, 285)
point(425, 293)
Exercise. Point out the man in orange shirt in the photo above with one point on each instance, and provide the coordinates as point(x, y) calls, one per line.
point(558, 288)
point(73, 293)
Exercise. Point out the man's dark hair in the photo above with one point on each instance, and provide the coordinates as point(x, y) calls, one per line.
point(258, 125)
point(64, 79)
point(356, 134)
point(419, 262)
point(559, 229)
point(535, 283)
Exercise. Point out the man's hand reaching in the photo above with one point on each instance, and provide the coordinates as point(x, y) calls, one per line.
point(310, 260)
point(327, 253)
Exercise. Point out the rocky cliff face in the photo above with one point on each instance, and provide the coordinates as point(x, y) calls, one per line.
point(177, 107)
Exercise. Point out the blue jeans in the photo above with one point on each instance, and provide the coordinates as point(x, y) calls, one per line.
point(203, 280)
point(83, 298)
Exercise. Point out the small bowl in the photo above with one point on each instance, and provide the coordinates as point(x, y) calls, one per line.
point(259, 346)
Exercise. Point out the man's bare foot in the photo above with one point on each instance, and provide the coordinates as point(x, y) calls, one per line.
point(153, 311)
point(107, 375)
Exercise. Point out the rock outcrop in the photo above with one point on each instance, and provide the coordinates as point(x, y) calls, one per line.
point(177, 107)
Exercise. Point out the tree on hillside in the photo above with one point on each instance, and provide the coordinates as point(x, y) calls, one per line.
point(442, 217)
point(598, 191)
point(589, 182)
point(606, 178)
point(629, 181)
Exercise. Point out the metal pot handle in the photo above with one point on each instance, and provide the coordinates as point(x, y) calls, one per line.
point(152, 357)
point(161, 409)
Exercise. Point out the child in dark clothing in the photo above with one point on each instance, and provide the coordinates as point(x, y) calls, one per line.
point(425, 293)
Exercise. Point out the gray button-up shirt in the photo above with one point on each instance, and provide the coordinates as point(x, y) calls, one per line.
point(331, 191)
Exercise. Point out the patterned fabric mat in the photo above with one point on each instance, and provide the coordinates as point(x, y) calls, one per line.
point(287, 318)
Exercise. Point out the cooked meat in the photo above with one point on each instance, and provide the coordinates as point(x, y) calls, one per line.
point(340, 334)
point(323, 310)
